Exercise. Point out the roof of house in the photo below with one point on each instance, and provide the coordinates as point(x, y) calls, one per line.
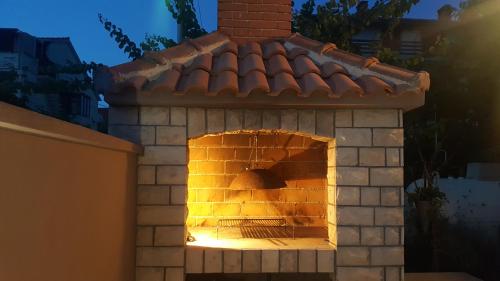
point(213, 69)
point(13, 40)
point(62, 40)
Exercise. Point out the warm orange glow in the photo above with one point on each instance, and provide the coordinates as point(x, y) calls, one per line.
point(209, 240)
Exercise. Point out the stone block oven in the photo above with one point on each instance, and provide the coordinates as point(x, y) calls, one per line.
point(265, 152)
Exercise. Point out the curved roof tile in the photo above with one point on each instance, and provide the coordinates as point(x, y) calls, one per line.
point(284, 82)
point(181, 50)
point(203, 61)
point(166, 82)
point(276, 64)
point(295, 52)
point(249, 48)
point(304, 42)
point(373, 85)
point(342, 85)
point(253, 81)
point(250, 63)
point(225, 83)
point(194, 82)
point(273, 48)
point(302, 65)
point(134, 84)
point(224, 62)
point(313, 83)
point(330, 68)
point(229, 46)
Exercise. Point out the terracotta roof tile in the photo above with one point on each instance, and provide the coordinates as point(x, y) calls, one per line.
point(302, 65)
point(273, 48)
point(249, 48)
point(347, 58)
point(181, 50)
point(293, 53)
point(226, 61)
point(385, 69)
point(251, 62)
point(195, 82)
point(313, 83)
point(134, 84)
point(305, 43)
point(131, 67)
point(228, 47)
point(166, 82)
point(284, 82)
point(373, 85)
point(203, 61)
point(215, 65)
point(253, 82)
point(326, 48)
point(155, 57)
point(330, 68)
point(277, 64)
point(371, 61)
point(342, 85)
point(224, 83)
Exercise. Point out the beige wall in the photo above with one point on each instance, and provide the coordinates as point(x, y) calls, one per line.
point(67, 201)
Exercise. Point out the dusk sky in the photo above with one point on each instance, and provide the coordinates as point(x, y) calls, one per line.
point(78, 20)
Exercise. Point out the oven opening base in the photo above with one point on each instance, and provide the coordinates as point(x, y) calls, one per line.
point(260, 238)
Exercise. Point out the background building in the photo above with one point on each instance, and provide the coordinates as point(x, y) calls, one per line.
point(45, 64)
point(410, 38)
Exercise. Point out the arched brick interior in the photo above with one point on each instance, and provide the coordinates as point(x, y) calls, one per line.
point(214, 161)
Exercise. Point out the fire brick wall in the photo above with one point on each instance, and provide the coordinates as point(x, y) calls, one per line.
point(215, 160)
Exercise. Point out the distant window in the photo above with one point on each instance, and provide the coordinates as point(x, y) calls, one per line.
point(81, 105)
point(365, 41)
point(7, 39)
point(411, 43)
point(85, 106)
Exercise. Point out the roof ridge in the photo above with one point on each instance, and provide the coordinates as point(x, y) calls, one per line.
point(356, 65)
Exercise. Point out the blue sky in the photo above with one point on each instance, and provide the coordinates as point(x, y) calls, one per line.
point(78, 20)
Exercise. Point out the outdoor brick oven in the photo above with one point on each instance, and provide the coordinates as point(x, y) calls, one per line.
point(326, 123)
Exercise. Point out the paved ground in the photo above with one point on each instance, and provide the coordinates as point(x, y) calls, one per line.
point(441, 276)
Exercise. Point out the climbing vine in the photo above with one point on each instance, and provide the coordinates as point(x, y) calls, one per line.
point(183, 11)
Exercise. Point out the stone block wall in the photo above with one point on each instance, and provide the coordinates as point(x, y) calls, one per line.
point(211, 260)
point(369, 167)
point(365, 185)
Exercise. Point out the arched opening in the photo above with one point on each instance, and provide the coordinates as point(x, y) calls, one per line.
point(221, 215)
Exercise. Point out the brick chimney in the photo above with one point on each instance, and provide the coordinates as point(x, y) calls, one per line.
point(255, 20)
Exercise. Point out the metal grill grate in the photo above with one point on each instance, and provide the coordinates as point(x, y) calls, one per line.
point(257, 227)
point(251, 222)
